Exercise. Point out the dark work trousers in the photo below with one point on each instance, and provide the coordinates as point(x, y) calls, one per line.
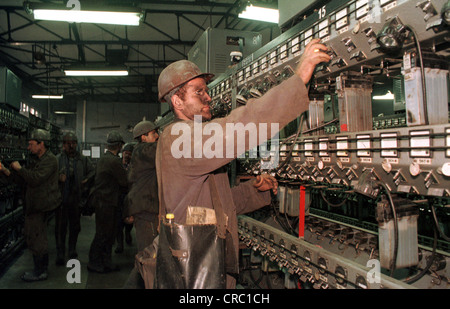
point(67, 218)
point(105, 235)
point(146, 227)
point(35, 231)
point(122, 228)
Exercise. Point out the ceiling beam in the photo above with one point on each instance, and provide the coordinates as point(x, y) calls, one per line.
point(144, 69)
point(81, 54)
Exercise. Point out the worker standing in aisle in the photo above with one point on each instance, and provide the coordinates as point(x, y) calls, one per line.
point(189, 180)
point(110, 182)
point(75, 170)
point(142, 200)
point(143, 205)
point(42, 197)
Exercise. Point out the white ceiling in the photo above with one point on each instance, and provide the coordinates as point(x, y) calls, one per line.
point(167, 33)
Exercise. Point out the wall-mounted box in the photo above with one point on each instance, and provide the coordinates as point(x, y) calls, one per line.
point(212, 50)
point(10, 88)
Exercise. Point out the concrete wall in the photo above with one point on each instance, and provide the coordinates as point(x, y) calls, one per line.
point(95, 119)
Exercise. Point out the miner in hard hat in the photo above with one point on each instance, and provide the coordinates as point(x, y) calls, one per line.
point(189, 180)
point(75, 171)
point(42, 197)
point(110, 182)
point(143, 206)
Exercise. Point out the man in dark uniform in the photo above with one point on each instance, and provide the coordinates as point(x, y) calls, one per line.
point(143, 205)
point(42, 197)
point(110, 182)
point(74, 171)
point(142, 200)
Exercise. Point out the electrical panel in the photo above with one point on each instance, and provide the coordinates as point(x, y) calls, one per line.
point(13, 147)
point(356, 186)
point(14, 132)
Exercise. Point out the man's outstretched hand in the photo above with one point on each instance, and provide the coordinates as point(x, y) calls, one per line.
point(314, 53)
point(266, 182)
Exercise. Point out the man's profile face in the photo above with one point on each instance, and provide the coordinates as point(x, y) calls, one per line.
point(34, 147)
point(126, 156)
point(196, 100)
point(152, 136)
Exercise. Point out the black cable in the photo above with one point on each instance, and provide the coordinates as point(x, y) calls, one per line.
point(436, 223)
point(257, 281)
point(275, 217)
point(422, 72)
point(321, 126)
point(331, 204)
point(394, 215)
point(288, 223)
point(430, 261)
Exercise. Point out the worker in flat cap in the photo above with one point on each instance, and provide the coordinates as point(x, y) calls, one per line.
point(42, 198)
point(75, 171)
point(110, 182)
point(143, 205)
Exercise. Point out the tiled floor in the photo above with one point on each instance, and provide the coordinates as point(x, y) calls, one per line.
point(57, 278)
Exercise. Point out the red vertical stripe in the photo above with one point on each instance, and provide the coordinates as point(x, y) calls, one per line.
point(301, 216)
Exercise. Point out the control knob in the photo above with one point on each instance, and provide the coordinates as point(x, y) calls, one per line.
point(414, 169)
point(446, 169)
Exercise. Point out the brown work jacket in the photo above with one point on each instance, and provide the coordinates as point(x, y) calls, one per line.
point(110, 181)
point(143, 194)
point(42, 193)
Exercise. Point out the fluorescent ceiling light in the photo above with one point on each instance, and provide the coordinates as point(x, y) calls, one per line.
point(261, 14)
point(64, 113)
point(92, 72)
point(45, 96)
point(116, 18)
point(85, 13)
point(387, 96)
